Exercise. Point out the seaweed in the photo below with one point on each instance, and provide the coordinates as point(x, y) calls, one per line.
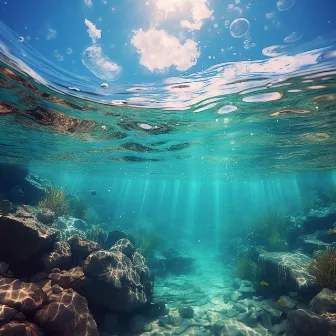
point(56, 201)
point(323, 268)
point(246, 268)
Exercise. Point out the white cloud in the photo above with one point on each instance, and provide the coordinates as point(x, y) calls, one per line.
point(88, 3)
point(159, 50)
point(99, 64)
point(194, 11)
point(94, 33)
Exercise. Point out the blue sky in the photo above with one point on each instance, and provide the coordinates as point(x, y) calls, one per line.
point(134, 41)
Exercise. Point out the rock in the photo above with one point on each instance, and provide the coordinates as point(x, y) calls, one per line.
point(22, 296)
point(240, 307)
point(4, 269)
point(73, 278)
point(82, 248)
point(304, 323)
point(287, 302)
point(115, 283)
point(236, 283)
point(324, 302)
point(137, 324)
point(285, 271)
point(59, 257)
point(34, 188)
point(247, 290)
point(320, 219)
point(158, 309)
point(6, 313)
point(186, 312)
point(15, 328)
point(177, 263)
point(232, 313)
point(266, 320)
point(317, 241)
point(113, 237)
point(45, 216)
point(183, 327)
point(111, 322)
point(247, 283)
point(236, 296)
point(6, 207)
point(279, 329)
point(67, 222)
point(66, 314)
point(124, 246)
point(22, 238)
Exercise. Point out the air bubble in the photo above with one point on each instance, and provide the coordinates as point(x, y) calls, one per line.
point(21, 39)
point(293, 37)
point(283, 5)
point(239, 28)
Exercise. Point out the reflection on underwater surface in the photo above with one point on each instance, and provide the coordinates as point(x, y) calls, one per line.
point(202, 205)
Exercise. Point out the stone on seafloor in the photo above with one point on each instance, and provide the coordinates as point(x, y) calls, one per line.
point(82, 248)
point(6, 313)
point(73, 278)
point(279, 329)
point(22, 238)
point(158, 309)
point(174, 318)
point(286, 302)
point(115, 283)
point(320, 219)
point(66, 314)
point(236, 283)
point(315, 242)
point(232, 313)
point(284, 271)
point(113, 237)
point(15, 328)
point(124, 246)
point(186, 312)
point(45, 216)
point(23, 296)
point(324, 302)
point(304, 323)
point(59, 257)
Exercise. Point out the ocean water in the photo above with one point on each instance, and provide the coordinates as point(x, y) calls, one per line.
point(219, 170)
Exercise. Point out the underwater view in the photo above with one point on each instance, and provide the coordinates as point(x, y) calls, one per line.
point(168, 167)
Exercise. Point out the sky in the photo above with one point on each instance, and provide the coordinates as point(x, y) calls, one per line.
point(144, 41)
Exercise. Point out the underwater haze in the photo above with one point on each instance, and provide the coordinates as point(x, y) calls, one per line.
point(167, 167)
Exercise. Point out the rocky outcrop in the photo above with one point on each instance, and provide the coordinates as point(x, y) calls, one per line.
point(73, 278)
point(317, 241)
point(113, 237)
point(302, 322)
point(320, 219)
point(45, 216)
point(15, 328)
point(124, 246)
point(6, 313)
point(324, 302)
point(115, 283)
point(66, 314)
point(59, 257)
point(23, 237)
point(22, 296)
point(81, 248)
point(285, 271)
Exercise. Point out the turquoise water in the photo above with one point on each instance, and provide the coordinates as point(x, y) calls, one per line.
point(223, 178)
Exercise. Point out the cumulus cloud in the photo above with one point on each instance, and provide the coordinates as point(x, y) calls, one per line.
point(88, 3)
point(94, 33)
point(194, 11)
point(99, 64)
point(158, 50)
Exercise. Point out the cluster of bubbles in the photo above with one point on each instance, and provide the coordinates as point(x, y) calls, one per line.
point(58, 56)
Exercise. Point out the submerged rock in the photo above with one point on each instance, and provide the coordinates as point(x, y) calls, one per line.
point(45, 216)
point(81, 248)
point(186, 312)
point(324, 302)
point(284, 271)
point(304, 323)
point(320, 219)
point(15, 328)
point(6, 313)
point(66, 314)
point(34, 188)
point(73, 278)
point(22, 238)
point(115, 283)
point(59, 257)
point(22, 296)
point(124, 246)
point(113, 237)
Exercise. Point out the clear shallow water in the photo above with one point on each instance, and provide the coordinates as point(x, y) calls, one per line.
point(200, 158)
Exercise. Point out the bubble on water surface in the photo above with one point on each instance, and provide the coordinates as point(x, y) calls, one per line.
point(293, 37)
point(283, 5)
point(274, 51)
point(239, 28)
point(227, 109)
point(263, 97)
point(69, 51)
point(21, 39)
